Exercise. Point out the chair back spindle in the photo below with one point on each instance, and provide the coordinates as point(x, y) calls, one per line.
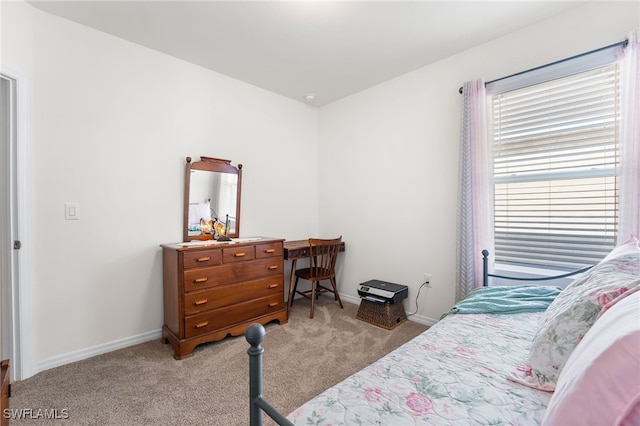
point(322, 257)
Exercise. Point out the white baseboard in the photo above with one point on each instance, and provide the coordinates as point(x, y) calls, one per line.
point(420, 319)
point(70, 357)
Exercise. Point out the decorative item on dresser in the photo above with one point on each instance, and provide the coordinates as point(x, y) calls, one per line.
point(213, 289)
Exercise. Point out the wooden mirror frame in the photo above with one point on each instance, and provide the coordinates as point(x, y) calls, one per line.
point(212, 165)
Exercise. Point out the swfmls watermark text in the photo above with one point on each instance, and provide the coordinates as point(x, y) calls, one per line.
point(35, 413)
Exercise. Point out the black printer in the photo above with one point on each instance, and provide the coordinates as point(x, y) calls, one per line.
point(383, 292)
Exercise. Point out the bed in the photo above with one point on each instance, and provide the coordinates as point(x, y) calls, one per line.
point(520, 355)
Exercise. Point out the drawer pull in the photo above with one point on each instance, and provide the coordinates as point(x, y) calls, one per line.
point(273, 304)
point(200, 302)
point(273, 286)
point(201, 324)
point(272, 267)
point(203, 259)
point(200, 280)
point(270, 251)
point(240, 254)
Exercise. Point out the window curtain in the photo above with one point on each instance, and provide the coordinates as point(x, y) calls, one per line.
point(629, 197)
point(475, 193)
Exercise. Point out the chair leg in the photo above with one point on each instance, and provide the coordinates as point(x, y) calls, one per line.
point(335, 291)
point(313, 297)
point(292, 293)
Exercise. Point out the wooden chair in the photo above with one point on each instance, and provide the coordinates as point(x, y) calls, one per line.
point(322, 266)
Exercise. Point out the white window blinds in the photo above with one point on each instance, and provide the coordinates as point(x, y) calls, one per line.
point(555, 148)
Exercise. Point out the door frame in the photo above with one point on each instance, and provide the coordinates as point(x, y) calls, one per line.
point(20, 327)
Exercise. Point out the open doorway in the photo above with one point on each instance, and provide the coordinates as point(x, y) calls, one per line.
point(9, 244)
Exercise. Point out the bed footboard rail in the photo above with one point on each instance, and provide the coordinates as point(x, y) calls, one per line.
point(486, 274)
point(257, 404)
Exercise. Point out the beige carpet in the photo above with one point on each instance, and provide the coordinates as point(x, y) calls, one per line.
point(144, 385)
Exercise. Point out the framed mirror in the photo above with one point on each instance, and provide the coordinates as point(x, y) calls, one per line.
point(212, 191)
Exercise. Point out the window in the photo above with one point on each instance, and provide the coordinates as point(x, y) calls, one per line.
point(555, 162)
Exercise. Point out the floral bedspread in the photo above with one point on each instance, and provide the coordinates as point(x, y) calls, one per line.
point(453, 374)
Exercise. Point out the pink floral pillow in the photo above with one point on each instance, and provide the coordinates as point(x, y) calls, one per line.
point(573, 313)
point(600, 383)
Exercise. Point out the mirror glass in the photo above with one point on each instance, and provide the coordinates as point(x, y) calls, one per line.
point(212, 199)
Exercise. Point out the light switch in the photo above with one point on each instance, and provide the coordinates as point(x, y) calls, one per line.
point(72, 211)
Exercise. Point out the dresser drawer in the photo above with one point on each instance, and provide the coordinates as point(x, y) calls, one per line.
point(230, 315)
point(221, 296)
point(268, 250)
point(238, 254)
point(231, 273)
point(202, 259)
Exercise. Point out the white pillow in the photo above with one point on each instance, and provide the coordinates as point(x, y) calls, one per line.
point(199, 211)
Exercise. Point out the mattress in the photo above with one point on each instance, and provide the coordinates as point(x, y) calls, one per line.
point(455, 373)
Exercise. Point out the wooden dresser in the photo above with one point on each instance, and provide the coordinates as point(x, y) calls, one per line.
point(212, 290)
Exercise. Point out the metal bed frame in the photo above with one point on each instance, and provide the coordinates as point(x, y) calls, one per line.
point(486, 274)
point(256, 332)
point(257, 404)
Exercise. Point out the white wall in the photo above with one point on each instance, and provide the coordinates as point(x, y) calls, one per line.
point(389, 154)
point(110, 126)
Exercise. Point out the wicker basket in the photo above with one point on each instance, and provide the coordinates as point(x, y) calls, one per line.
point(385, 315)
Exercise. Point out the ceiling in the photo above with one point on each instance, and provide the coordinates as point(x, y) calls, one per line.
point(329, 48)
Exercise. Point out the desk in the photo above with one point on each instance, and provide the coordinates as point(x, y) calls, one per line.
point(294, 250)
point(299, 249)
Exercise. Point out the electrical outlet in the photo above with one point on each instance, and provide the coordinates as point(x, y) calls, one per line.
point(427, 280)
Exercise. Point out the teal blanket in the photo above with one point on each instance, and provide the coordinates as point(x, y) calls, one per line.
point(507, 300)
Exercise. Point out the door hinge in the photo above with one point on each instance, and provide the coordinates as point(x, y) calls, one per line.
point(17, 245)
